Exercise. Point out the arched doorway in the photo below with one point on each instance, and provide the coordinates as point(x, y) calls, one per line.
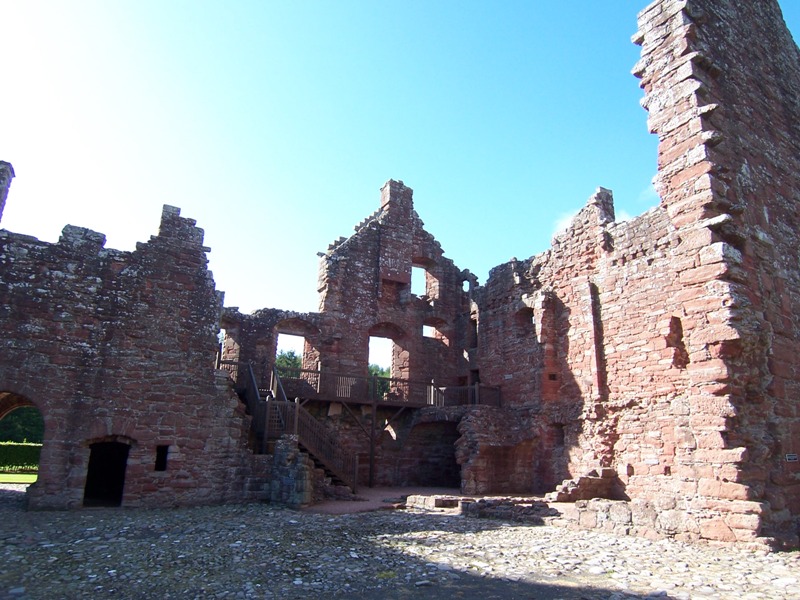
point(22, 430)
point(105, 475)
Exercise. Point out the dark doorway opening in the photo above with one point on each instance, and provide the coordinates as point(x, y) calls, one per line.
point(105, 476)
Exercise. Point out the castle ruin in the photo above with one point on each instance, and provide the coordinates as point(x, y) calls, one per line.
point(646, 371)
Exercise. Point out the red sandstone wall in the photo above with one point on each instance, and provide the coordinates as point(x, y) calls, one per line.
point(114, 345)
point(723, 95)
point(664, 346)
point(364, 289)
point(364, 285)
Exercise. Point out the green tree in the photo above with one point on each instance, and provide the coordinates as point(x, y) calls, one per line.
point(378, 371)
point(382, 381)
point(24, 424)
point(288, 363)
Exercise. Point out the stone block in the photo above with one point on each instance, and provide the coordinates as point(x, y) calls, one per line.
point(717, 530)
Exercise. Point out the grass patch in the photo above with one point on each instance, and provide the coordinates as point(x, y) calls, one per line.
point(18, 477)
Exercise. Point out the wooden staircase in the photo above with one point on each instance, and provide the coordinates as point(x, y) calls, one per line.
point(284, 417)
point(272, 418)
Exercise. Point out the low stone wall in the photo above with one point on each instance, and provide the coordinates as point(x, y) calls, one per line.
point(735, 524)
point(639, 518)
point(510, 509)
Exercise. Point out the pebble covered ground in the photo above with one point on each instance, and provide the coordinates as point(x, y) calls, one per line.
point(262, 551)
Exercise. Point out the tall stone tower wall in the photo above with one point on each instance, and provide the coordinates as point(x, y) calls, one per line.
point(663, 347)
point(722, 83)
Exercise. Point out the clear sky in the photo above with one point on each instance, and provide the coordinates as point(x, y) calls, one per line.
point(274, 124)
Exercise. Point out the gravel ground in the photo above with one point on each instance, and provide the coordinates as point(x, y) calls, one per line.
point(261, 551)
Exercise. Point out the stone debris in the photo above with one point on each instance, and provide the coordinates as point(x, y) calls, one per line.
point(261, 551)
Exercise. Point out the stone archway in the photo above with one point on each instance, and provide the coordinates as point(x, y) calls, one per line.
point(10, 401)
point(22, 422)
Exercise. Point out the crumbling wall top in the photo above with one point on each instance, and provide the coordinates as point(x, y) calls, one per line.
point(6, 175)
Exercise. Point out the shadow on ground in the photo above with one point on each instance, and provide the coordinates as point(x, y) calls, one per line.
point(251, 551)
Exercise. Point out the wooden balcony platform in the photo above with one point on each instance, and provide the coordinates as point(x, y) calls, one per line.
point(382, 391)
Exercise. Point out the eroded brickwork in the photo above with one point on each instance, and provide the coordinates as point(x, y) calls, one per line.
point(118, 347)
point(671, 358)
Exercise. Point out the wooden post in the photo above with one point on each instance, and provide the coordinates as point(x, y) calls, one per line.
point(372, 443)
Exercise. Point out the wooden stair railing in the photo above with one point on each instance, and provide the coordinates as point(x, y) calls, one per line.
point(284, 416)
point(315, 438)
point(272, 418)
point(246, 387)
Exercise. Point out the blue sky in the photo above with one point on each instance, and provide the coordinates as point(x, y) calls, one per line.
point(274, 124)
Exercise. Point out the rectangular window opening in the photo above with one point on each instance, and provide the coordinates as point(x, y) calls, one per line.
point(419, 281)
point(161, 458)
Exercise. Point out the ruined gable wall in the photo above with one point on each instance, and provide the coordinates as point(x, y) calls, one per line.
point(365, 290)
point(120, 345)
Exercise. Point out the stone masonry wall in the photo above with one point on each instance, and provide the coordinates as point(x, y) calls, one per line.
point(118, 346)
point(728, 159)
point(657, 354)
point(662, 346)
point(364, 287)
